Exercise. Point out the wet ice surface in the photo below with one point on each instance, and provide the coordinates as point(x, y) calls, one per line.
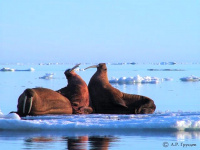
point(161, 121)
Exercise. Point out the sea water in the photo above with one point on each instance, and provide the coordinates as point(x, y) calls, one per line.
point(174, 125)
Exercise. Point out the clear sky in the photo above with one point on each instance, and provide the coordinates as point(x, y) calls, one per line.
point(73, 31)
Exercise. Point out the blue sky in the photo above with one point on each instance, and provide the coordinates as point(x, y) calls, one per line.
point(73, 31)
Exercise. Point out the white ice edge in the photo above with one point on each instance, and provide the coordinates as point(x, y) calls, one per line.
point(95, 122)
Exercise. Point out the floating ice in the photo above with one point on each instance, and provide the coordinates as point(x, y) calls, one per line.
point(167, 79)
point(7, 69)
point(137, 79)
point(167, 63)
point(114, 80)
point(166, 121)
point(1, 113)
point(165, 69)
point(190, 78)
point(30, 69)
point(47, 76)
point(10, 116)
point(79, 69)
point(122, 80)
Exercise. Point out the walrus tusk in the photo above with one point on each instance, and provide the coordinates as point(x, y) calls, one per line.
point(94, 66)
point(75, 67)
point(30, 106)
point(24, 106)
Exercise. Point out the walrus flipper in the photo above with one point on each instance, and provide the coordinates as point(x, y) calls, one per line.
point(115, 97)
point(62, 91)
point(119, 102)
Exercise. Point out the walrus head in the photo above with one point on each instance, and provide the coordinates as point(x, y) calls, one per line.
point(100, 67)
point(68, 71)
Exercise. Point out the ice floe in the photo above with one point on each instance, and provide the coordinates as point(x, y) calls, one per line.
point(30, 69)
point(167, 63)
point(9, 116)
point(10, 69)
point(7, 69)
point(138, 79)
point(1, 113)
point(190, 78)
point(169, 121)
point(79, 69)
point(165, 70)
point(47, 76)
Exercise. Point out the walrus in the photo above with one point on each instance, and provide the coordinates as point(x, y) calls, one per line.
point(77, 92)
point(42, 101)
point(106, 99)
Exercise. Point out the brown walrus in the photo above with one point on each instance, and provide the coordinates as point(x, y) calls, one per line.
point(109, 100)
point(42, 101)
point(77, 92)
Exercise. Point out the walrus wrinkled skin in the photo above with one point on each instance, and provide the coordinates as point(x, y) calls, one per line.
point(109, 100)
point(42, 101)
point(77, 92)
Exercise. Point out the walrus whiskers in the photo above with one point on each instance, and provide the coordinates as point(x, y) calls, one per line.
point(30, 106)
point(24, 106)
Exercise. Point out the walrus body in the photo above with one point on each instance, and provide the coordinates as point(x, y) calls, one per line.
point(109, 100)
point(77, 92)
point(42, 101)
